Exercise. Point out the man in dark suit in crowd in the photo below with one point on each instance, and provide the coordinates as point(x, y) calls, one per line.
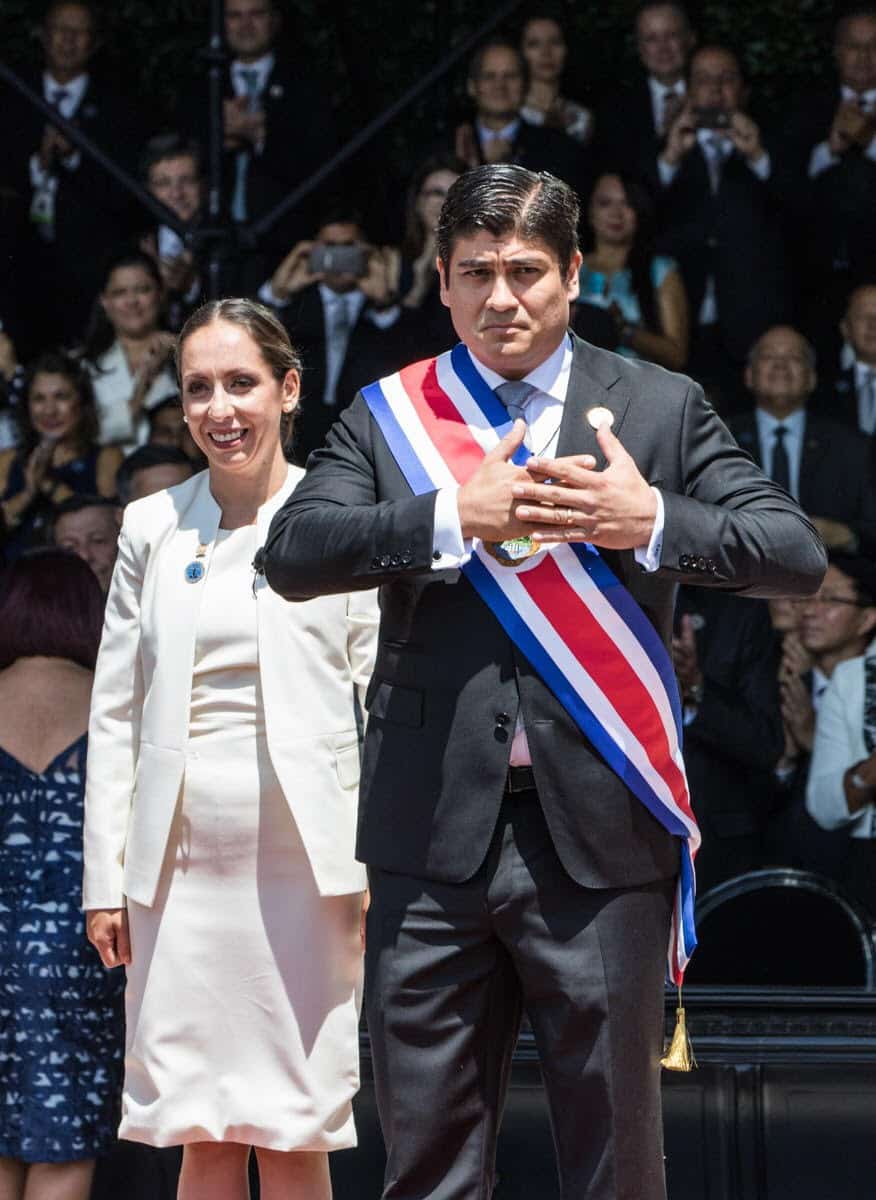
point(76, 211)
point(721, 213)
point(825, 466)
point(498, 133)
point(726, 657)
point(851, 395)
point(278, 125)
point(831, 134)
point(632, 122)
point(509, 865)
point(170, 167)
point(343, 322)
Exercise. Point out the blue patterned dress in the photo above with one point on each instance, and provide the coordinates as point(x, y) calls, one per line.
point(61, 1016)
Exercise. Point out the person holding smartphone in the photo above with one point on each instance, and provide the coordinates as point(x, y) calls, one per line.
point(337, 294)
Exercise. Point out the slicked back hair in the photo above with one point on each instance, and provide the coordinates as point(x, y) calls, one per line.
point(504, 199)
point(265, 329)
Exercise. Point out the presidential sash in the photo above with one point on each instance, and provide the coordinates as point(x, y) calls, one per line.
point(562, 606)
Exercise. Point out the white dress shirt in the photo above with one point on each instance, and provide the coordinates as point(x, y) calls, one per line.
point(865, 388)
point(507, 133)
point(795, 423)
point(262, 67)
point(822, 156)
point(839, 744)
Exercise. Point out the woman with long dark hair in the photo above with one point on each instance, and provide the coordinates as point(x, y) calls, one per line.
point(58, 455)
point(543, 45)
point(642, 291)
point(127, 350)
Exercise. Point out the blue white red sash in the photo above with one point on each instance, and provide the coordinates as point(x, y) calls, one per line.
point(574, 621)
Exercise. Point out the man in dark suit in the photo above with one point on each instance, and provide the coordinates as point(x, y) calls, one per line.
point(851, 395)
point(344, 324)
point(498, 133)
point(831, 136)
point(76, 211)
point(278, 125)
point(632, 122)
point(721, 215)
point(825, 466)
point(509, 865)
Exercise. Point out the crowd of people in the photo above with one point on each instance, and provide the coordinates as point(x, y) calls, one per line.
point(736, 249)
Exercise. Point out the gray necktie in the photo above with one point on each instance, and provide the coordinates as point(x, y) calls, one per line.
point(715, 155)
point(250, 77)
point(514, 395)
point(867, 401)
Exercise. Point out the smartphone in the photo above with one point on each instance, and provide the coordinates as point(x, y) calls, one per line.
point(712, 118)
point(339, 260)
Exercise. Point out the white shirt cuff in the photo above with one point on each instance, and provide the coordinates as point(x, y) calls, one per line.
point(820, 159)
point(762, 167)
point(648, 557)
point(666, 171)
point(72, 161)
point(447, 541)
point(267, 296)
point(38, 174)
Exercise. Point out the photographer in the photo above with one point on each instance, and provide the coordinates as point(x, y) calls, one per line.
point(337, 296)
point(722, 219)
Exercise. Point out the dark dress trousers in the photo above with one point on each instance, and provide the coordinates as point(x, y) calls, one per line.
point(836, 473)
point(556, 899)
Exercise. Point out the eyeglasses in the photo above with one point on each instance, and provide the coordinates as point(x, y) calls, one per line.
point(829, 600)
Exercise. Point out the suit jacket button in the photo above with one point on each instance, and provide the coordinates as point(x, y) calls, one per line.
point(407, 558)
point(701, 564)
point(711, 565)
point(375, 564)
point(395, 560)
point(684, 561)
point(436, 555)
point(385, 560)
point(502, 719)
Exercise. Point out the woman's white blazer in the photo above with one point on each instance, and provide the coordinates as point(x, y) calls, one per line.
point(311, 657)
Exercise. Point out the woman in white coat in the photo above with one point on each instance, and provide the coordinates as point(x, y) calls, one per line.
point(221, 799)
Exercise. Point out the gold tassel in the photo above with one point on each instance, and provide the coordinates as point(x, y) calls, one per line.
point(679, 1056)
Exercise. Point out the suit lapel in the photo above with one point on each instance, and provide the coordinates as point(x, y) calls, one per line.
point(594, 382)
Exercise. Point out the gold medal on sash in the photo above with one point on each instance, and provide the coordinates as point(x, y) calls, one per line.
point(513, 551)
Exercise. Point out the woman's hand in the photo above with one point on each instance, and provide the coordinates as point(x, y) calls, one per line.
point(107, 930)
point(158, 353)
point(37, 466)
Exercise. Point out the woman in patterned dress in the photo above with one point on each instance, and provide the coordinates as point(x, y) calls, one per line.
point(61, 1023)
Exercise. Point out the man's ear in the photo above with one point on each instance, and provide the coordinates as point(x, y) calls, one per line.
point(748, 378)
point(442, 282)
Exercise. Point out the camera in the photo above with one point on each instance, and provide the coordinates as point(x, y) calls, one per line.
point(712, 118)
point(339, 260)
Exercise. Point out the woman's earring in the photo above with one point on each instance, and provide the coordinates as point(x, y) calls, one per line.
point(185, 419)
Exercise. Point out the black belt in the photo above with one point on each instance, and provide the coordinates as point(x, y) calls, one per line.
point(519, 779)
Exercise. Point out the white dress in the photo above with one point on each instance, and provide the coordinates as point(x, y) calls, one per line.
point(244, 990)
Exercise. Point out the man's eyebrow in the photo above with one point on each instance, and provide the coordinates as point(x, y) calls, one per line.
point(517, 259)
